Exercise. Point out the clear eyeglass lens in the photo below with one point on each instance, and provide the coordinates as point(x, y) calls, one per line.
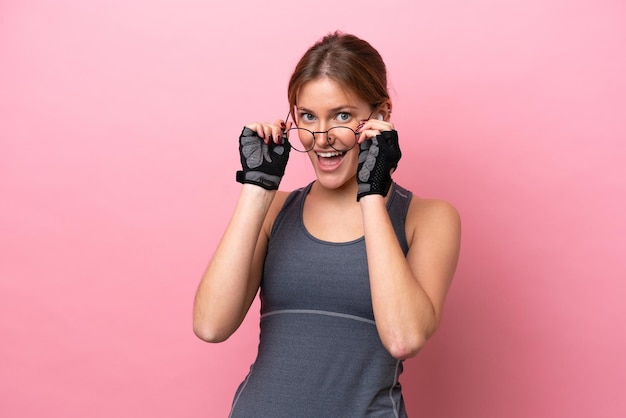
point(340, 138)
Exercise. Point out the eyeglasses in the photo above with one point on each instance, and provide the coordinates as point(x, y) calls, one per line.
point(340, 138)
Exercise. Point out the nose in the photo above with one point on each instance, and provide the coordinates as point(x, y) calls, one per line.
point(323, 138)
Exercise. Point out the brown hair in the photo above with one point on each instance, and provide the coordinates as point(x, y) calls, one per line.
point(346, 59)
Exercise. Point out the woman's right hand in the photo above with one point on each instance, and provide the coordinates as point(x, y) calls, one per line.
point(264, 154)
point(273, 132)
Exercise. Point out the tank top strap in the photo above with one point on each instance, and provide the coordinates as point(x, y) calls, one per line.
point(398, 207)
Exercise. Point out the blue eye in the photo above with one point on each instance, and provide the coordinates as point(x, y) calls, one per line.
point(343, 117)
point(306, 117)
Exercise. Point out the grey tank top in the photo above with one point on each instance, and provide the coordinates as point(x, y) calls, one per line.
point(319, 351)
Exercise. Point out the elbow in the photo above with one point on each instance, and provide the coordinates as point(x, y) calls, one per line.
point(406, 348)
point(212, 327)
point(208, 333)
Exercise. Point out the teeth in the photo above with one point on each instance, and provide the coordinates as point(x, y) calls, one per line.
point(329, 154)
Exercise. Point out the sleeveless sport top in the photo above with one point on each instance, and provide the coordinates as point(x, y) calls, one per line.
point(319, 351)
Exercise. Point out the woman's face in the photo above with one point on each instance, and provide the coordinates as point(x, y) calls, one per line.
point(321, 105)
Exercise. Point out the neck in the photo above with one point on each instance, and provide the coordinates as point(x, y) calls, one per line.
point(343, 195)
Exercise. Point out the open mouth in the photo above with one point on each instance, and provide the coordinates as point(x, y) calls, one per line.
point(330, 158)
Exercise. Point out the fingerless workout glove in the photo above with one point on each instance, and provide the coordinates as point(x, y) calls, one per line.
point(263, 164)
point(377, 158)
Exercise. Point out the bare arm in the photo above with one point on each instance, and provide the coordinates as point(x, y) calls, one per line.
point(232, 278)
point(408, 292)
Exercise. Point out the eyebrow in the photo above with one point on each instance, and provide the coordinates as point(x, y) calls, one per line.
point(331, 111)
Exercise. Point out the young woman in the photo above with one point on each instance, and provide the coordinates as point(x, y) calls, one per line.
point(352, 268)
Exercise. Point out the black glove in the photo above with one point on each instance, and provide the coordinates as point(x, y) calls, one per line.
point(263, 164)
point(377, 158)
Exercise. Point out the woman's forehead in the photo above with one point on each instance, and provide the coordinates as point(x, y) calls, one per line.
point(325, 93)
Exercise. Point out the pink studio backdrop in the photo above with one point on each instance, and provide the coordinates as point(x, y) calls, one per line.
point(118, 128)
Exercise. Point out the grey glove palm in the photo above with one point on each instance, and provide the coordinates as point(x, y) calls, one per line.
point(262, 164)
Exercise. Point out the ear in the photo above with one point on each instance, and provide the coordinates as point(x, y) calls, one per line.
point(384, 111)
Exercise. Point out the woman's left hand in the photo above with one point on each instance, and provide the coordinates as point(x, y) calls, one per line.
point(379, 154)
point(371, 128)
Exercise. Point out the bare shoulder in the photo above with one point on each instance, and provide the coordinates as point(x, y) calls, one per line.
point(428, 217)
point(276, 206)
point(279, 201)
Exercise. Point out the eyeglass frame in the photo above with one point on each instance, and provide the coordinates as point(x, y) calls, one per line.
point(285, 137)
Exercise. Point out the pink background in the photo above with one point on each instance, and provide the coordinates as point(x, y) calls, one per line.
point(118, 128)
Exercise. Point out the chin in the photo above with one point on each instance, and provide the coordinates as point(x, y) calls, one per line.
point(335, 181)
point(341, 177)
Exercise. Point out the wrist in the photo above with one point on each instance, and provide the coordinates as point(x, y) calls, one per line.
point(257, 191)
point(373, 207)
point(372, 198)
